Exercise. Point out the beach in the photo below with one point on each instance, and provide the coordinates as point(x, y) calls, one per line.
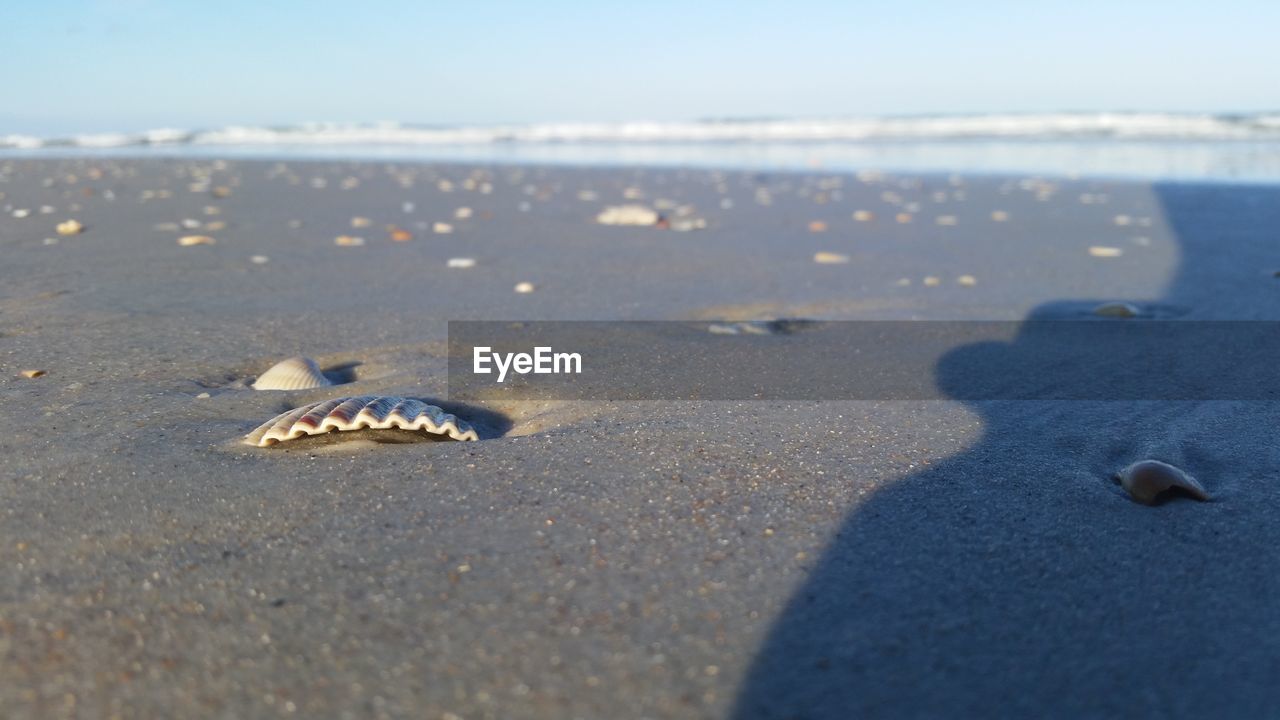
point(599, 559)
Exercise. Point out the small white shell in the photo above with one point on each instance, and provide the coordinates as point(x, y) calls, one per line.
point(296, 373)
point(1147, 479)
point(359, 413)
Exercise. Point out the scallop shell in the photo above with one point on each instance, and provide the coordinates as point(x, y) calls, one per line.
point(296, 373)
point(358, 413)
point(1147, 479)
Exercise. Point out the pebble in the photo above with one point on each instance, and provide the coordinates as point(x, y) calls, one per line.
point(967, 280)
point(864, 216)
point(462, 213)
point(903, 218)
point(401, 235)
point(348, 241)
point(191, 223)
point(461, 262)
point(259, 259)
point(360, 222)
point(221, 191)
point(830, 258)
point(407, 207)
point(932, 281)
point(817, 226)
point(946, 220)
point(442, 228)
point(999, 216)
point(188, 240)
point(215, 226)
point(1103, 251)
point(1122, 220)
point(21, 213)
point(525, 288)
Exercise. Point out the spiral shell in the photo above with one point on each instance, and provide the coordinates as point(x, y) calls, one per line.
point(1146, 480)
point(359, 413)
point(296, 373)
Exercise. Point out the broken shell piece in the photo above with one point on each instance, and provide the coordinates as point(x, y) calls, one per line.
point(33, 373)
point(864, 215)
point(359, 413)
point(525, 287)
point(628, 215)
point(70, 227)
point(360, 222)
point(1146, 480)
point(1103, 251)
point(441, 228)
point(461, 262)
point(188, 240)
point(399, 235)
point(296, 373)
point(1117, 309)
point(817, 226)
point(830, 258)
point(999, 216)
point(348, 241)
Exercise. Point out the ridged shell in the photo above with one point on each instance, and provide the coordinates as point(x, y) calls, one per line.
point(359, 413)
point(296, 373)
point(1147, 479)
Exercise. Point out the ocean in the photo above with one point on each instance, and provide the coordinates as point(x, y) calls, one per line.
point(1145, 146)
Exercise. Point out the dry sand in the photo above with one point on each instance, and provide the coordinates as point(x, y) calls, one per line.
point(602, 560)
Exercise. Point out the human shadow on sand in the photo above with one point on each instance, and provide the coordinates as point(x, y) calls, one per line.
point(1016, 579)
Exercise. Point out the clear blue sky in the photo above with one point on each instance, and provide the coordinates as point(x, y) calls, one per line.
point(103, 65)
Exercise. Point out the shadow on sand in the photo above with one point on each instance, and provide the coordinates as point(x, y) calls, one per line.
point(1016, 580)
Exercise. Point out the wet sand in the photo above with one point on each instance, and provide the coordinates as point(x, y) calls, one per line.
point(609, 559)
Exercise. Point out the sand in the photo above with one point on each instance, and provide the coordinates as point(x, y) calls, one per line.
point(609, 559)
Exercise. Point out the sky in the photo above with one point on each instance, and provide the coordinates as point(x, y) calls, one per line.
point(75, 66)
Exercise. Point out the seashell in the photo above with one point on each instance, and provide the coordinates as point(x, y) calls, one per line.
point(461, 262)
point(296, 373)
point(1146, 480)
point(903, 218)
point(525, 288)
point(999, 216)
point(359, 413)
point(401, 235)
point(348, 241)
point(967, 280)
point(830, 258)
point(1117, 309)
point(1103, 251)
point(360, 222)
point(441, 228)
point(70, 227)
point(30, 374)
point(462, 213)
point(864, 215)
point(946, 220)
point(628, 215)
point(189, 240)
point(817, 226)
